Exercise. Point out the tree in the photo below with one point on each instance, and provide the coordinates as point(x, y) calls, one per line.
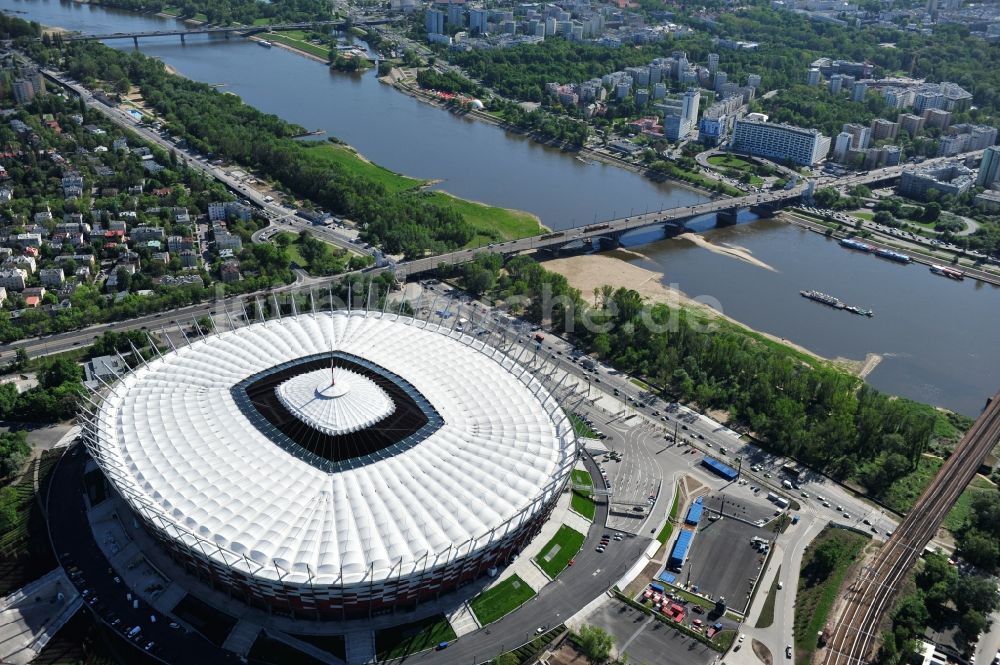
point(508, 658)
point(14, 453)
point(58, 371)
point(932, 211)
point(596, 643)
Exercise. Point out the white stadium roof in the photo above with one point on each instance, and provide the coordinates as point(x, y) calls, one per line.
point(172, 438)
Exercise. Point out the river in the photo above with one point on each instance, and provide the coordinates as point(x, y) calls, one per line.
point(937, 337)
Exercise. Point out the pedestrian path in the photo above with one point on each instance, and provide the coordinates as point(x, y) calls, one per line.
point(463, 621)
point(32, 615)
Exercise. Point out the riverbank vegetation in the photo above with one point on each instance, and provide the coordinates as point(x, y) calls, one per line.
point(795, 404)
point(215, 123)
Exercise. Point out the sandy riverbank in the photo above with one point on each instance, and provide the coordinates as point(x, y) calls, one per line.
point(732, 251)
point(589, 271)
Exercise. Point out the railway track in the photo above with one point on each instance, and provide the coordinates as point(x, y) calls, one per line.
point(868, 598)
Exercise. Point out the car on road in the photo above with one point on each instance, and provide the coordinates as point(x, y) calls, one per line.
point(788, 651)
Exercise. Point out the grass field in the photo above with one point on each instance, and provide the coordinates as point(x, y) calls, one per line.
point(288, 39)
point(569, 542)
point(292, 250)
point(328, 154)
point(959, 513)
point(766, 617)
point(409, 638)
point(501, 600)
point(492, 223)
point(730, 162)
point(581, 501)
point(581, 428)
point(668, 528)
point(815, 597)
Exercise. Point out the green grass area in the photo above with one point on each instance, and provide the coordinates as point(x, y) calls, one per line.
point(731, 162)
point(324, 153)
point(724, 639)
point(641, 384)
point(401, 641)
point(697, 600)
point(867, 216)
point(291, 250)
point(756, 180)
point(816, 593)
point(766, 617)
point(501, 600)
point(904, 491)
point(283, 38)
point(581, 428)
point(668, 528)
point(569, 542)
point(582, 502)
point(25, 550)
point(492, 223)
point(959, 513)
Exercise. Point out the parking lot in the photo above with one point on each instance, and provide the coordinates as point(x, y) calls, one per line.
point(648, 640)
point(723, 562)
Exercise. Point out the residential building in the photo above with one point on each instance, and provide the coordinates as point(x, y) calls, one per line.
point(861, 136)
point(989, 167)
point(680, 114)
point(859, 91)
point(883, 129)
point(146, 233)
point(813, 76)
point(478, 19)
point(910, 123)
point(753, 80)
point(52, 276)
point(842, 146)
point(3, 296)
point(13, 279)
point(988, 200)
point(937, 118)
point(713, 62)
point(781, 142)
point(189, 259)
point(721, 78)
point(222, 211)
point(229, 241)
point(434, 22)
point(951, 178)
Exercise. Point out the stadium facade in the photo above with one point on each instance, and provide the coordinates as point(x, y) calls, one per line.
point(335, 465)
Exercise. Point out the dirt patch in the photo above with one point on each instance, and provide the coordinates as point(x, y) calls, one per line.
point(762, 652)
point(567, 655)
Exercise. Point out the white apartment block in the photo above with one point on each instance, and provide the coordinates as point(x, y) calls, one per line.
point(780, 142)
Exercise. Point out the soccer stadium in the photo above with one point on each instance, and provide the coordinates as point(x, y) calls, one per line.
point(335, 465)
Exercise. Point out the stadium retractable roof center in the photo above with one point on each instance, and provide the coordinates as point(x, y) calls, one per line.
point(483, 449)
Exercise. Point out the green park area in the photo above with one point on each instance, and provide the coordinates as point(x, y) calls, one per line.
point(501, 600)
point(491, 223)
point(558, 552)
point(582, 501)
point(581, 428)
point(731, 162)
point(297, 39)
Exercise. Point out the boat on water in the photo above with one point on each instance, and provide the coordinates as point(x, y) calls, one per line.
point(836, 303)
point(823, 298)
point(851, 243)
point(264, 43)
point(860, 311)
point(892, 256)
point(950, 273)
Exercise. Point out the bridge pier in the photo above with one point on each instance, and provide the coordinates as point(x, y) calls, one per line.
point(726, 217)
point(182, 38)
point(226, 34)
point(135, 40)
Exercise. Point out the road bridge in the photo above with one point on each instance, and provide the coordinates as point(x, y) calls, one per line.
point(240, 30)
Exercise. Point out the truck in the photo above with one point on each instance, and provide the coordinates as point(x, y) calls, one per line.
point(787, 484)
point(715, 628)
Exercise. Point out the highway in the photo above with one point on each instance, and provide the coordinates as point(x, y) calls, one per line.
point(852, 633)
